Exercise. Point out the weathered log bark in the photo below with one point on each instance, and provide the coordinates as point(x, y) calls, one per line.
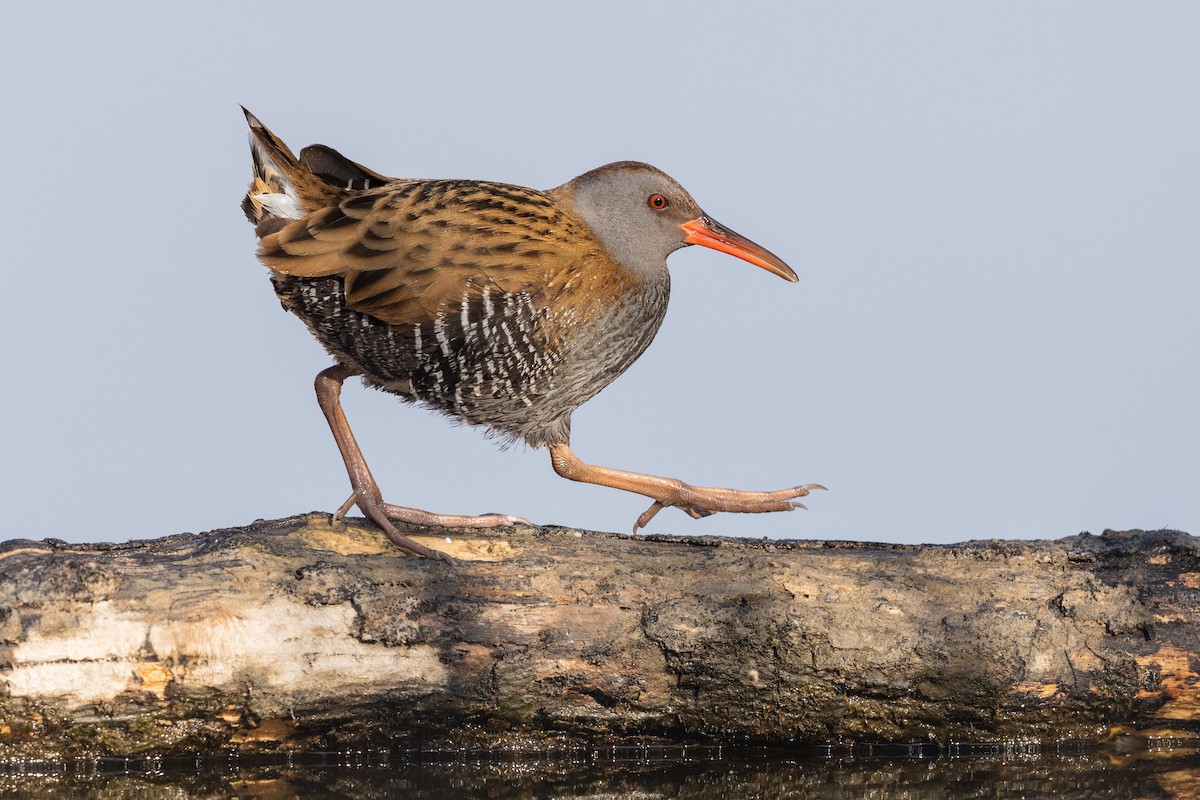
point(296, 633)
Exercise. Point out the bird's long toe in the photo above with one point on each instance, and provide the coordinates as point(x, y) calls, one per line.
point(415, 516)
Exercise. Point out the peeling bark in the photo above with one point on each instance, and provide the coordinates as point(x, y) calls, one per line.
point(299, 634)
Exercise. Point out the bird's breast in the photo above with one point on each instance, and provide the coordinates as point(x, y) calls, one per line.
point(600, 340)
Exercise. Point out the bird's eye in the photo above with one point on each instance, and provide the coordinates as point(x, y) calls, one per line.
point(657, 202)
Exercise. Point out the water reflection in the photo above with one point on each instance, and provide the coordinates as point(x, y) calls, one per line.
point(914, 773)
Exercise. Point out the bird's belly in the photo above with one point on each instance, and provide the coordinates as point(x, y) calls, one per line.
point(520, 373)
point(589, 356)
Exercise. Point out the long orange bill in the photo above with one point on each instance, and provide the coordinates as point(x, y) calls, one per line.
point(708, 232)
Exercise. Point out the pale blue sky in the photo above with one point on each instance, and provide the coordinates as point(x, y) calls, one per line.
point(993, 210)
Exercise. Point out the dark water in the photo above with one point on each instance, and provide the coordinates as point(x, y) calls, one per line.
point(866, 773)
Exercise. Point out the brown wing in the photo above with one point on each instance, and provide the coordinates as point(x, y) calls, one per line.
point(409, 251)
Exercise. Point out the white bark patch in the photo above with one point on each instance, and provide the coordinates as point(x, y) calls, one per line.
point(278, 646)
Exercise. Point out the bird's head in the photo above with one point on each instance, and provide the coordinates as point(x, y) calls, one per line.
point(641, 215)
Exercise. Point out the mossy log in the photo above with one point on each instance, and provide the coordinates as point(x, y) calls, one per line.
point(299, 633)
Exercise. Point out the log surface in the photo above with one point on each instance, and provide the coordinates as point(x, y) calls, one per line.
point(297, 633)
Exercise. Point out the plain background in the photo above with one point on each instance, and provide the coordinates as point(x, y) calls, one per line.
point(993, 210)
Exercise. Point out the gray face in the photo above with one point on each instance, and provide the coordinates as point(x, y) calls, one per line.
point(635, 210)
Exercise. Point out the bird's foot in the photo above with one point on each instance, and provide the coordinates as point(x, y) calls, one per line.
point(415, 516)
point(695, 501)
point(372, 505)
point(384, 514)
point(700, 501)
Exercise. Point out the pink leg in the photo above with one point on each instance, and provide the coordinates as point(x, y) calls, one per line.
point(366, 494)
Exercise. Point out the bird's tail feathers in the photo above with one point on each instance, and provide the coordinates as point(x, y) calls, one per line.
point(274, 191)
point(285, 187)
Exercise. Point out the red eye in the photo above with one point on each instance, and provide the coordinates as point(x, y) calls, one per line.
point(657, 202)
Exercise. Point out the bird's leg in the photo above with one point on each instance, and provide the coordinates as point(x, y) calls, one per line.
point(696, 501)
point(366, 494)
point(366, 491)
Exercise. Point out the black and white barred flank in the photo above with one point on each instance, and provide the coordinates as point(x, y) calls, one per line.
point(489, 361)
point(490, 346)
point(485, 362)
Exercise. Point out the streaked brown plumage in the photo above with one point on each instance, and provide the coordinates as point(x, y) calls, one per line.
point(499, 305)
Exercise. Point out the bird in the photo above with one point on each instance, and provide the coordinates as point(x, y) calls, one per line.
point(497, 305)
